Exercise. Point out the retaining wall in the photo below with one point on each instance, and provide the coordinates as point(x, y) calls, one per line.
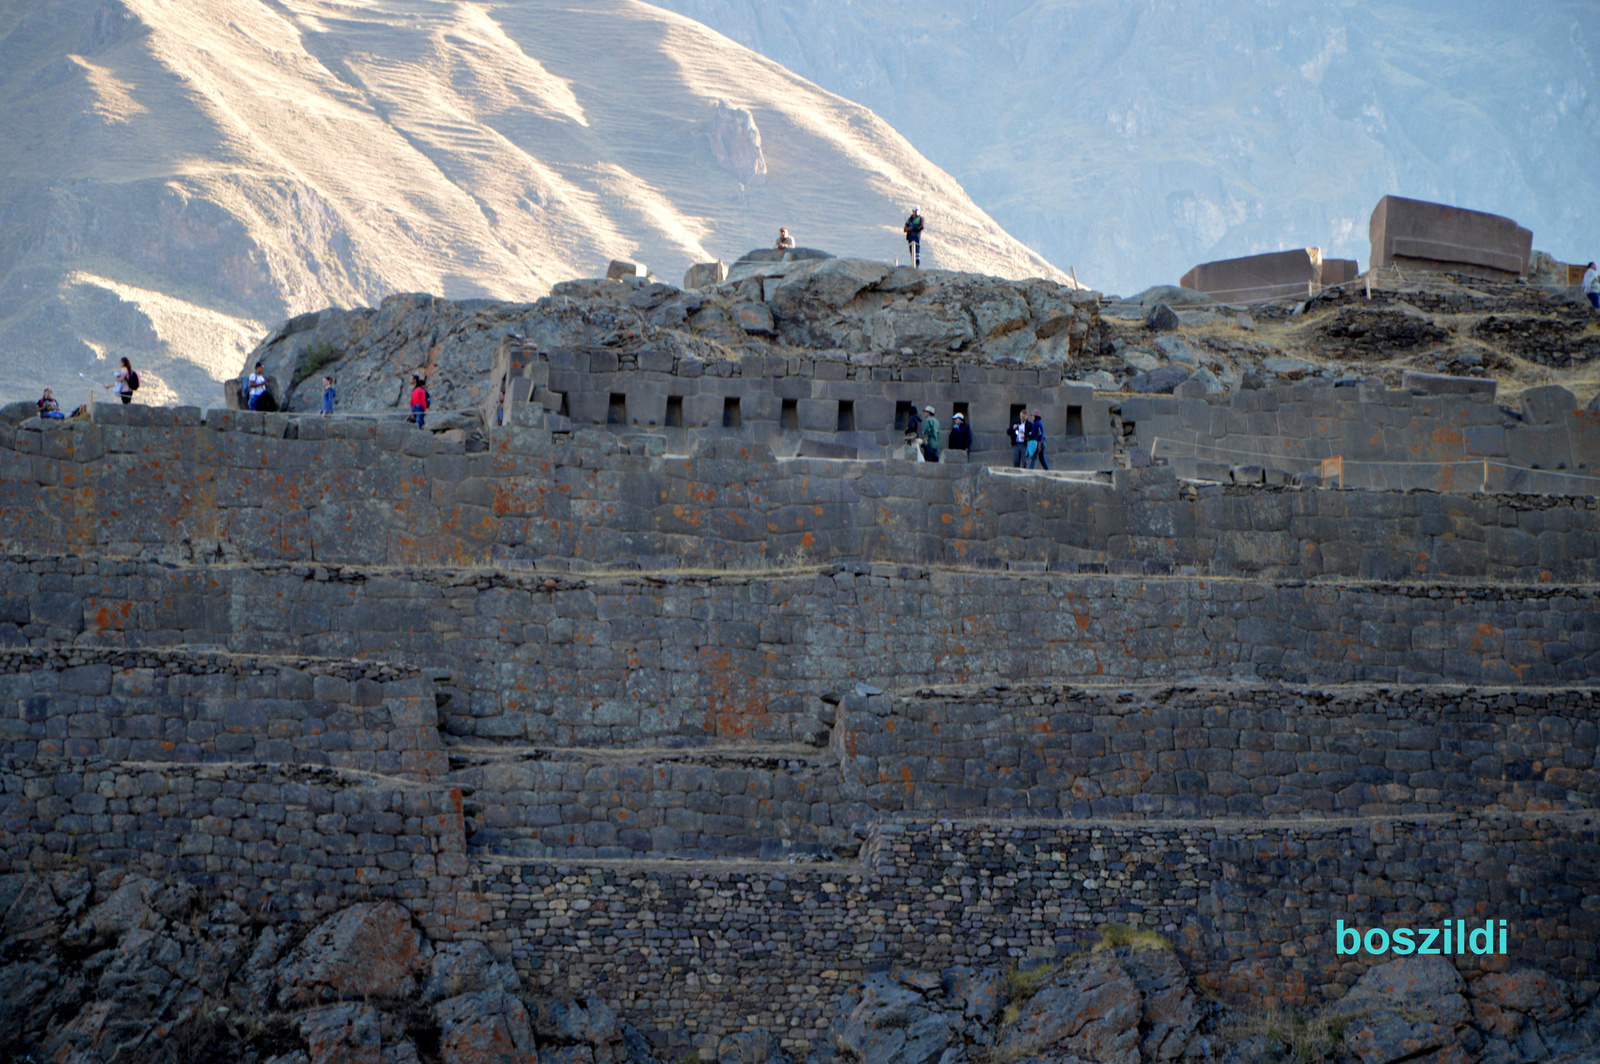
point(635, 660)
point(381, 493)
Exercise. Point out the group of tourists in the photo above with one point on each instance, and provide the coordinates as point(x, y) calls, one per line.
point(1026, 434)
point(126, 382)
point(912, 230)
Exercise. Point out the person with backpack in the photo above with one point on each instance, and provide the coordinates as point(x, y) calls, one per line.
point(1019, 440)
point(127, 382)
point(256, 387)
point(419, 400)
point(931, 437)
point(1035, 438)
point(913, 231)
point(49, 409)
point(1591, 285)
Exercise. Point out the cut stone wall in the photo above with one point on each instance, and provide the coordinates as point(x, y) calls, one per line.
point(624, 661)
point(363, 492)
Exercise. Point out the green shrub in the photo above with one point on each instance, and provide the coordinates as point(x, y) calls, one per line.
point(314, 358)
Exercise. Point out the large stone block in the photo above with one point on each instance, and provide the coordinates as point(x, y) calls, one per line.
point(705, 274)
point(1258, 278)
point(1443, 384)
point(1433, 236)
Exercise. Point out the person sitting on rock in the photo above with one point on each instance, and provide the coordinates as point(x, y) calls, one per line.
point(960, 434)
point(913, 231)
point(1591, 285)
point(49, 408)
point(784, 242)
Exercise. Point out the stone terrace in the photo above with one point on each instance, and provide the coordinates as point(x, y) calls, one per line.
point(714, 735)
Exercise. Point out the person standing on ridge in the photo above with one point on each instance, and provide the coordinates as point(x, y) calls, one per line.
point(1591, 286)
point(931, 437)
point(913, 230)
point(419, 400)
point(329, 396)
point(784, 241)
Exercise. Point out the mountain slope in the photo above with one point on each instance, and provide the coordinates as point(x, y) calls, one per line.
point(176, 177)
point(1134, 139)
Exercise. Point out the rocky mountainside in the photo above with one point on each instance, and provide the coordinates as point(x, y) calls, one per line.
point(177, 177)
point(120, 967)
point(1134, 140)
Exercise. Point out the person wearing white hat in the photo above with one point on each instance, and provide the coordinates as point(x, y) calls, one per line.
point(931, 437)
point(913, 230)
point(960, 433)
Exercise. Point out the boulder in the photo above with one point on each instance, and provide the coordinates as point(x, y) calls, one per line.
point(466, 968)
point(1547, 405)
point(705, 274)
point(829, 283)
point(343, 1034)
point(1403, 1009)
point(620, 269)
point(368, 950)
point(1161, 318)
point(747, 1047)
point(1535, 994)
point(1170, 1013)
point(886, 1023)
point(488, 1027)
point(753, 317)
point(1092, 1010)
point(1159, 381)
point(978, 992)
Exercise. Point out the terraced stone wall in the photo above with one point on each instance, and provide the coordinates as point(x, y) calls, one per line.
point(700, 949)
point(637, 660)
point(352, 492)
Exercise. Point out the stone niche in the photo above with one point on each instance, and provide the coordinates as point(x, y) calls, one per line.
point(1263, 278)
point(1434, 237)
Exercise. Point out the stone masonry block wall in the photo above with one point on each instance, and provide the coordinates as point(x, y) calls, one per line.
point(188, 708)
point(285, 840)
point(1389, 439)
point(702, 951)
point(1242, 750)
point(366, 492)
point(1145, 753)
point(630, 660)
point(582, 384)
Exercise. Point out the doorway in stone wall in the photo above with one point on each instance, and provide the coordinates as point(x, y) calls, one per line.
point(732, 415)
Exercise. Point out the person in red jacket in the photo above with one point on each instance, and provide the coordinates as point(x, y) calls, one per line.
point(419, 400)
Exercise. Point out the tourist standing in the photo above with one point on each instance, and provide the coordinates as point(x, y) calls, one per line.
point(960, 434)
point(127, 382)
point(1019, 440)
point(329, 396)
point(1591, 286)
point(784, 242)
point(913, 231)
point(1035, 438)
point(256, 387)
point(931, 436)
point(419, 400)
